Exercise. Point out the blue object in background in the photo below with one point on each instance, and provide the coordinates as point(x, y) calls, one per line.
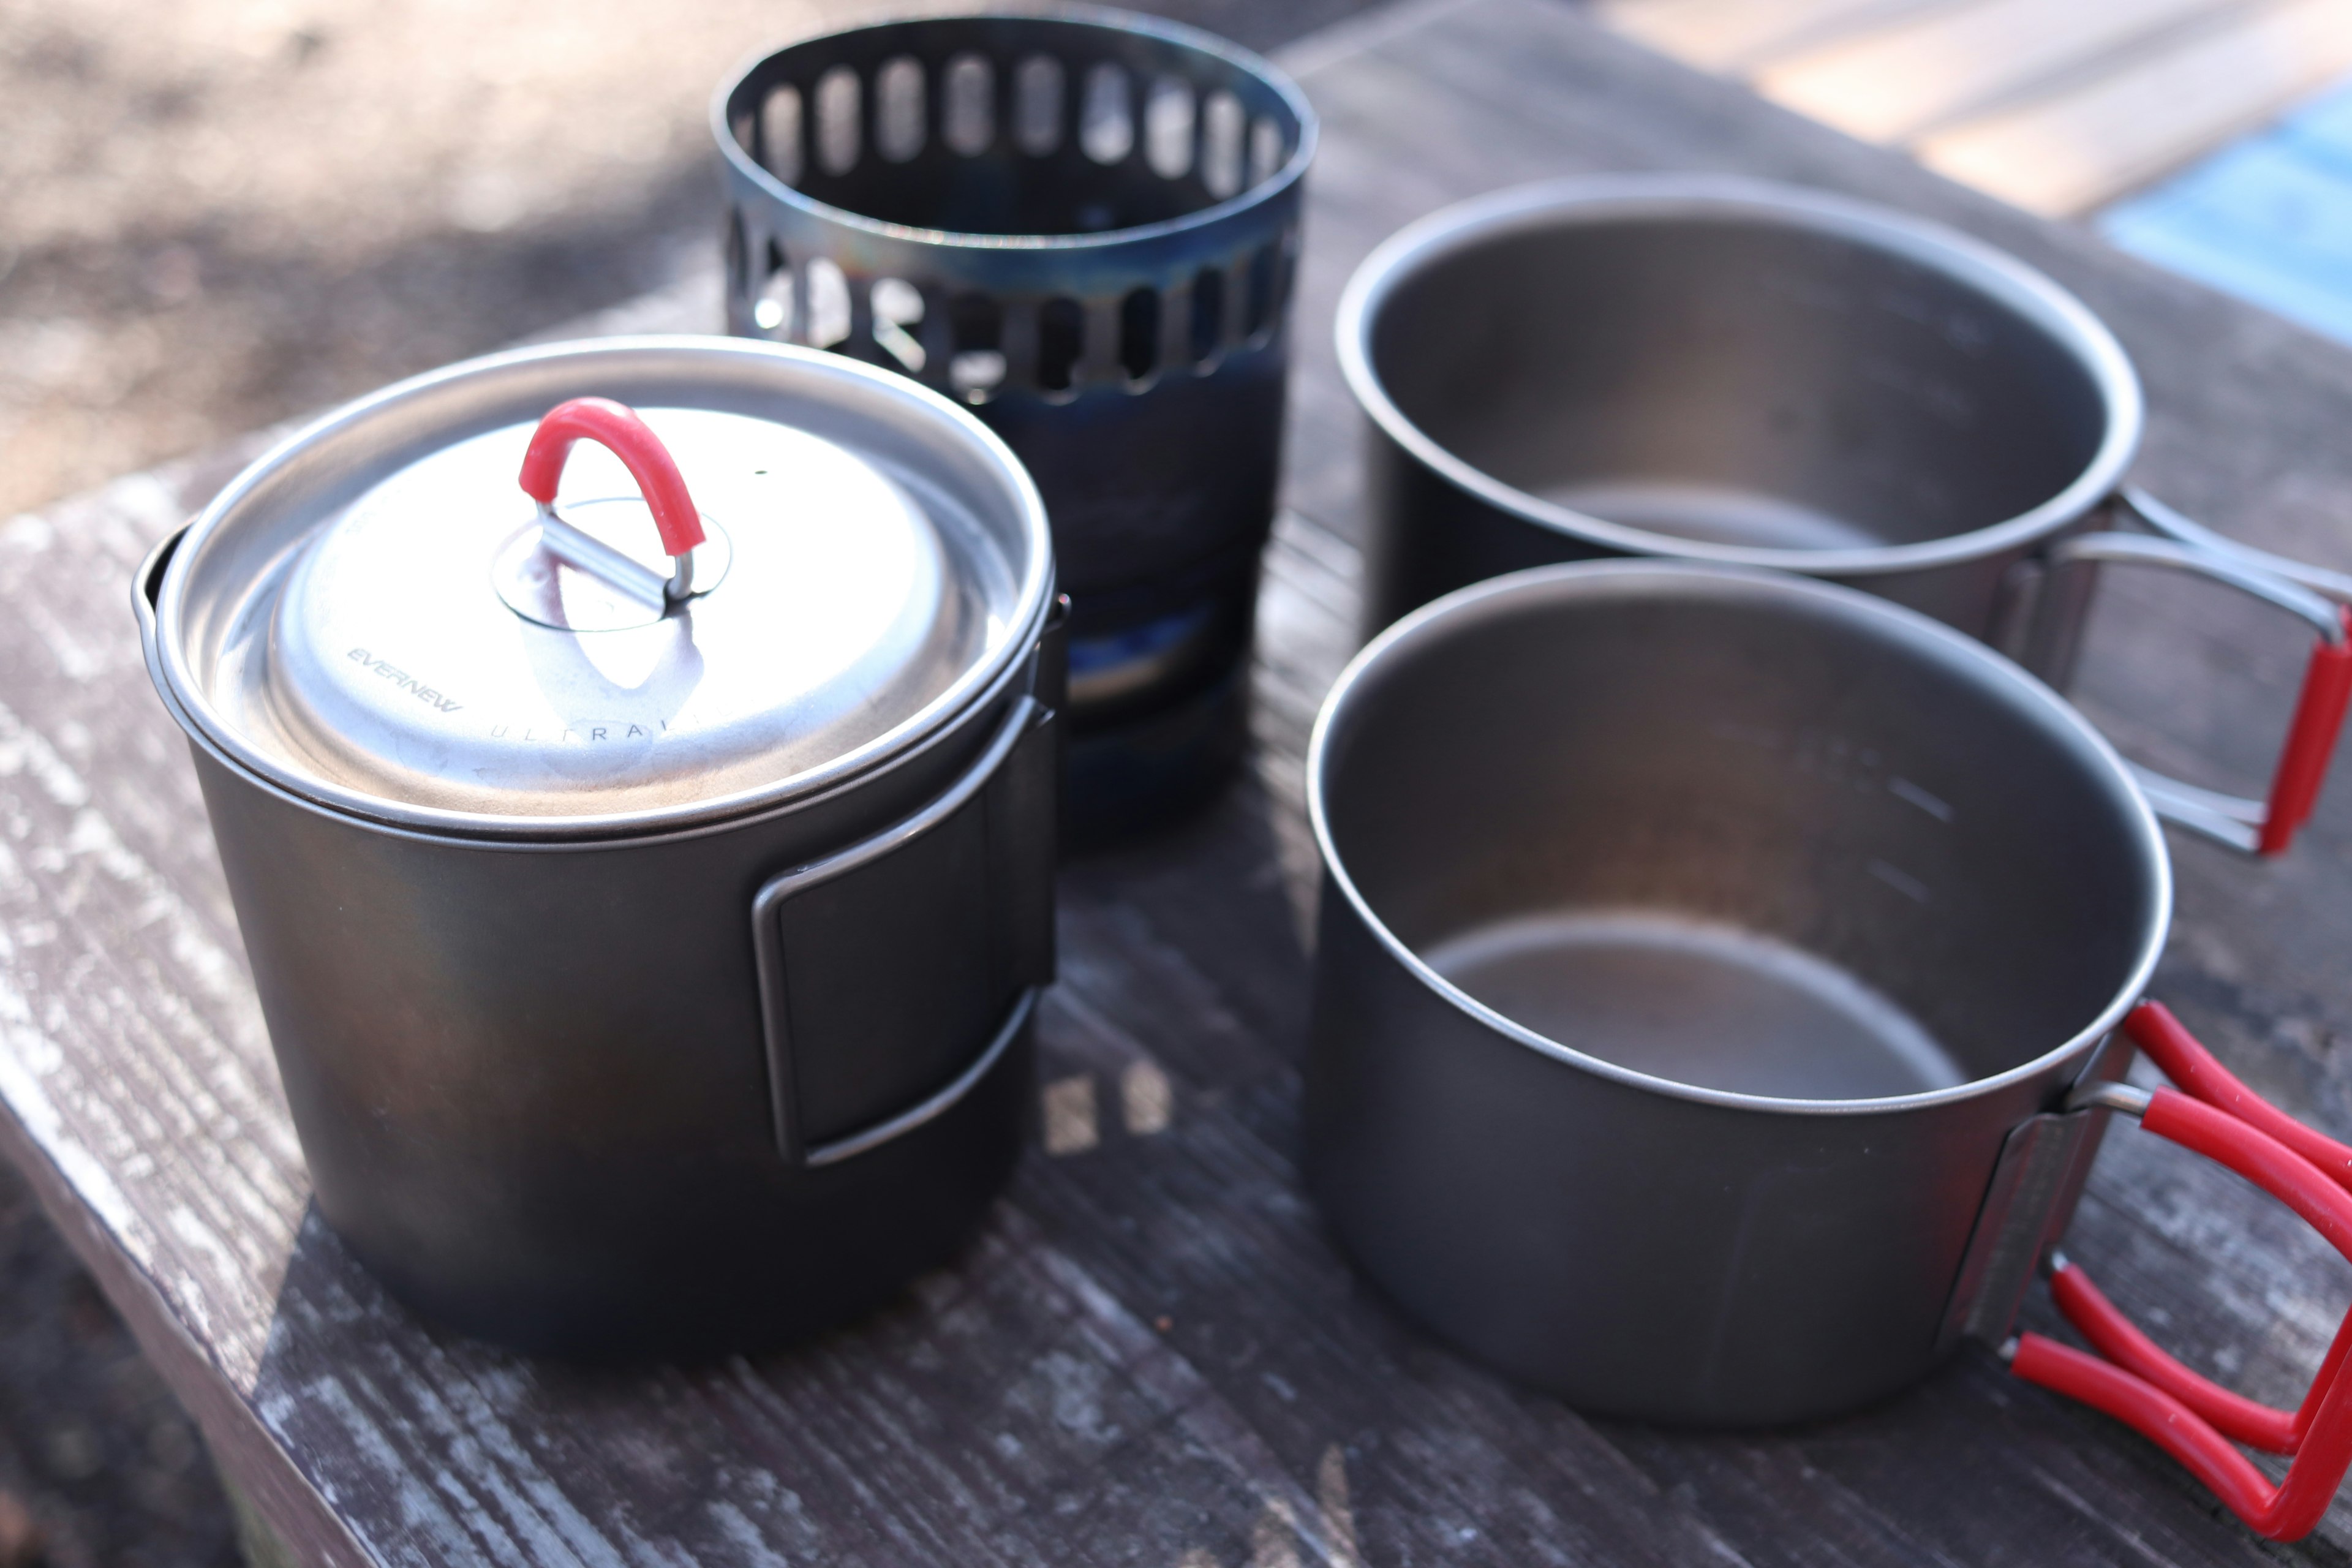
point(2268, 219)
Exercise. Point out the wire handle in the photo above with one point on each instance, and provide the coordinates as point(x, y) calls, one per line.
point(2131, 1378)
point(617, 427)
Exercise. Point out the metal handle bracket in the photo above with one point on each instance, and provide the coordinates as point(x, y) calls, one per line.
point(2268, 826)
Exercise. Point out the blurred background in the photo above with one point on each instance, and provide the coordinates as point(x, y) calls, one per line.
point(219, 214)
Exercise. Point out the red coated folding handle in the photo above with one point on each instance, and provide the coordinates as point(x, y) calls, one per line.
point(615, 425)
point(2130, 1378)
point(2310, 740)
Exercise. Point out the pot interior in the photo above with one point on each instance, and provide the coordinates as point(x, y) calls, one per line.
point(1737, 377)
point(1742, 835)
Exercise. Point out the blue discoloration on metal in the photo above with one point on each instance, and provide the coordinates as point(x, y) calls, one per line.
point(2269, 219)
point(1084, 224)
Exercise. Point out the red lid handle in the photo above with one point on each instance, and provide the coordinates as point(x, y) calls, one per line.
point(616, 426)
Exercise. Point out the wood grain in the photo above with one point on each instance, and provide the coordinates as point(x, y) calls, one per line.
point(2070, 151)
point(1896, 81)
point(1155, 1355)
point(1733, 34)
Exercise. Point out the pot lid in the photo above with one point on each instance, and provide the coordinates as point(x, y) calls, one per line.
point(495, 599)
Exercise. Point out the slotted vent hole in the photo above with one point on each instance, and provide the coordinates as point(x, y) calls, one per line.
point(1221, 127)
point(1208, 323)
point(898, 109)
point(1107, 118)
point(828, 304)
point(773, 306)
point(1061, 338)
point(1168, 113)
point(1264, 149)
point(976, 363)
point(839, 97)
point(968, 108)
point(898, 306)
point(1037, 88)
point(780, 135)
point(1139, 333)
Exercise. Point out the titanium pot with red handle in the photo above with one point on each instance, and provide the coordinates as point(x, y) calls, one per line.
point(1723, 981)
point(1752, 375)
point(647, 866)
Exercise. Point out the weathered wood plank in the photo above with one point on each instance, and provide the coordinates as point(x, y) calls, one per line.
point(1896, 81)
point(1155, 1355)
point(2074, 149)
point(1731, 35)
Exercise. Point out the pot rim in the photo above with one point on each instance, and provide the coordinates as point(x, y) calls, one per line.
point(733, 154)
point(189, 702)
point(1592, 578)
point(1608, 199)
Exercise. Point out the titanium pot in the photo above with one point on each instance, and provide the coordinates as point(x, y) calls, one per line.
point(1084, 225)
point(647, 930)
point(1722, 987)
point(1754, 374)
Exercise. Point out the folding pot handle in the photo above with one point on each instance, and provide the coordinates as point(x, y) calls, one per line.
point(2172, 523)
point(2191, 1418)
point(2268, 826)
point(934, 931)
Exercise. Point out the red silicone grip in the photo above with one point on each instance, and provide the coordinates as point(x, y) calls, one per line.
point(2167, 1042)
point(2119, 1339)
point(617, 426)
point(2157, 1415)
point(2191, 1418)
point(2310, 740)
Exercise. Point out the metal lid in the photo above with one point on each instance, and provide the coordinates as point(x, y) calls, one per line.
point(378, 616)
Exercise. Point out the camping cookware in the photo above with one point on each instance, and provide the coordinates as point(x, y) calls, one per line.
point(1759, 375)
point(648, 867)
point(1082, 223)
point(1722, 987)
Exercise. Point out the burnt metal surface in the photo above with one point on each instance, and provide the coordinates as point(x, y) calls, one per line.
point(1084, 224)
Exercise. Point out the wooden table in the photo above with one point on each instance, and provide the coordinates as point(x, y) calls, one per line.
point(1154, 1356)
point(2057, 108)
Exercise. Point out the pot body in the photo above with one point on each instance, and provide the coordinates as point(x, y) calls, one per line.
point(1692, 941)
point(1724, 371)
point(545, 1096)
point(1084, 225)
point(656, 1037)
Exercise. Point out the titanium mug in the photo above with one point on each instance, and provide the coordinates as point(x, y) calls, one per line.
point(1752, 375)
point(1723, 981)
